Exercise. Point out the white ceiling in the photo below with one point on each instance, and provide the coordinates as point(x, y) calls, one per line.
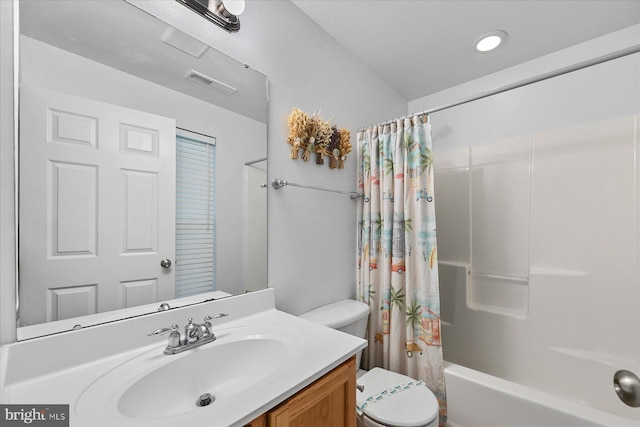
point(421, 47)
point(86, 28)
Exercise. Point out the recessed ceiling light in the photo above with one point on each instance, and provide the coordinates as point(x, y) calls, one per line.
point(490, 40)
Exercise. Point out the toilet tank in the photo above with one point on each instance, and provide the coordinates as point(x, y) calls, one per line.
point(348, 316)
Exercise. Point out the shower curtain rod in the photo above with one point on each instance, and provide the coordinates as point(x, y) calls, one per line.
point(388, 122)
point(279, 183)
point(525, 82)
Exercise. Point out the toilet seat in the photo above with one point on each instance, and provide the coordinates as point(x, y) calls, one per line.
point(410, 405)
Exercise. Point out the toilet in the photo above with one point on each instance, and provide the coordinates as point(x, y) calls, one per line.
point(389, 399)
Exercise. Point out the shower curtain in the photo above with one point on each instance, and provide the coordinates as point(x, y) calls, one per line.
point(397, 255)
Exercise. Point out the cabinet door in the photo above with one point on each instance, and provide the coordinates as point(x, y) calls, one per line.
point(261, 421)
point(330, 401)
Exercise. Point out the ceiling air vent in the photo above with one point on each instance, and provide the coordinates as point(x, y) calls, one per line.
point(209, 82)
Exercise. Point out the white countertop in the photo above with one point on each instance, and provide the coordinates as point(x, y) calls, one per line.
point(66, 375)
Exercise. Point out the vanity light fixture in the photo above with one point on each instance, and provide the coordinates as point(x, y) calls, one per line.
point(490, 41)
point(223, 13)
point(234, 7)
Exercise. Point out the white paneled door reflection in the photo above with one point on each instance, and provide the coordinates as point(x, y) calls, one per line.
point(97, 206)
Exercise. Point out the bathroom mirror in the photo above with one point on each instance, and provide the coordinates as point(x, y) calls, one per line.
point(142, 154)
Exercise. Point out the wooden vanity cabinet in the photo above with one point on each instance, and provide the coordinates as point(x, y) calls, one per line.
point(329, 401)
point(261, 421)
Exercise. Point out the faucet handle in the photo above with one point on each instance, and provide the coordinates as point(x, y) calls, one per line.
point(206, 330)
point(217, 316)
point(163, 331)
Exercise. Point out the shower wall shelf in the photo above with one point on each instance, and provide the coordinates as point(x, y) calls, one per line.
point(279, 183)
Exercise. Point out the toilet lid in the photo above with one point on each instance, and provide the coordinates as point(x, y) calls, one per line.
point(408, 406)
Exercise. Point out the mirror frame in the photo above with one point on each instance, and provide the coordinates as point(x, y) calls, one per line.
point(14, 336)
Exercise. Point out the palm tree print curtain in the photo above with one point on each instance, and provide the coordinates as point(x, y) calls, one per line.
point(397, 252)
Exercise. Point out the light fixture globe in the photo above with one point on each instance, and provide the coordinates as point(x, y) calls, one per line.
point(490, 41)
point(234, 7)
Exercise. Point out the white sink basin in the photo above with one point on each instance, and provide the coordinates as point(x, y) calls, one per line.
point(155, 386)
point(112, 375)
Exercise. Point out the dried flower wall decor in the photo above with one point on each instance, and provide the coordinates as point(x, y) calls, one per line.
point(297, 131)
point(312, 134)
point(333, 149)
point(345, 147)
point(323, 137)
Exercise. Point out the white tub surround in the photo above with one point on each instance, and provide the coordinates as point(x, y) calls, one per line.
point(539, 233)
point(83, 362)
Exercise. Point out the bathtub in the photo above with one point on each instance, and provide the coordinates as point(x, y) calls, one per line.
point(475, 399)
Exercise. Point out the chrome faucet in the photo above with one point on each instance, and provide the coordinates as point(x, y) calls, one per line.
point(195, 335)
